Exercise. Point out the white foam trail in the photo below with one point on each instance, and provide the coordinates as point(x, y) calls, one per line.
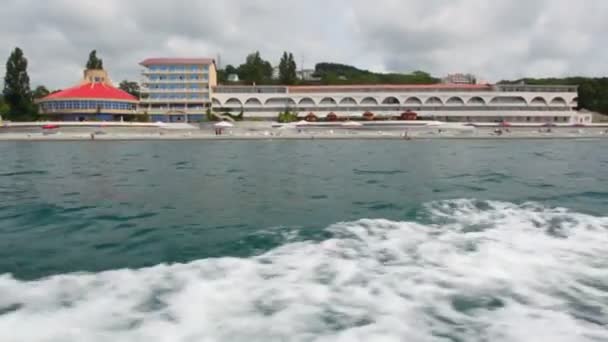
point(481, 271)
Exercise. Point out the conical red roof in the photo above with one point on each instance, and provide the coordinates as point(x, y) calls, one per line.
point(92, 91)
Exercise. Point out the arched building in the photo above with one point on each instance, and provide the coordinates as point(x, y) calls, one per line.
point(443, 102)
point(95, 98)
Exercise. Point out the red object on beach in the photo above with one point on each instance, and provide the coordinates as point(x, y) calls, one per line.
point(50, 126)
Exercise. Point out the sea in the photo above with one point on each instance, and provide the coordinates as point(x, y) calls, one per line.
point(469, 240)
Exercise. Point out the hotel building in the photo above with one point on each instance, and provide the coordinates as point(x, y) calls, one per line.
point(177, 89)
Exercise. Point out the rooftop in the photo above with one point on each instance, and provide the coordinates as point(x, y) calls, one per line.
point(176, 61)
point(92, 91)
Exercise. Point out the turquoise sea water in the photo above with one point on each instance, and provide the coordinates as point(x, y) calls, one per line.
point(304, 241)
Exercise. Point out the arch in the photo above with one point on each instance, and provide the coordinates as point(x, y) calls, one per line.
point(455, 101)
point(391, 100)
point(253, 102)
point(233, 101)
point(348, 101)
point(328, 101)
point(369, 101)
point(215, 102)
point(280, 101)
point(538, 101)
point(510, 100)
point(559, 101)
point(413, 100)
point(434, 101)
point(307, 101)
point(476, 101)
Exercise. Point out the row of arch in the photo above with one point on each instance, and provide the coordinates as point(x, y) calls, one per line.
point(391, 100)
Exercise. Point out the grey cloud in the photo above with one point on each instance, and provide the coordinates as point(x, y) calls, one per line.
point(494, 39)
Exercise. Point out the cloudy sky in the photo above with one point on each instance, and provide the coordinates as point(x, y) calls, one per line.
point(495, 39)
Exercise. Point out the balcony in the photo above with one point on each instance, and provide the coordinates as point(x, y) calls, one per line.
point(172, 91)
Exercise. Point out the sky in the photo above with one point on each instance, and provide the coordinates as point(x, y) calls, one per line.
point(493, 39)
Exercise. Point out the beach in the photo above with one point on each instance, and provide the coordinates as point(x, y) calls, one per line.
point(266, 130)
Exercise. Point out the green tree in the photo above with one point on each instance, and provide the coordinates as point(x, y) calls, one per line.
point(17, 93)
point(230, 69)
point(130, 87)
point(4, 108)
point(94, 62)
point(255, 70)
point(287, 69)
point(40, 92)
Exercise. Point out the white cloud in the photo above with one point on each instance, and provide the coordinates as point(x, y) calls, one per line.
point(493, 39)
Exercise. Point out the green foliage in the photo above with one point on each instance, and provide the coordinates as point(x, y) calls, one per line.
point(145, 117)
point(592, 92)
point(287, 69)
point(4, 108)
point(131, 88)
point(17, 93)
point(287, 116)
point(238, 117)
point(210, 116)
point(40, 92)
point(94, 62)
point(255, 70)
point(334, 74)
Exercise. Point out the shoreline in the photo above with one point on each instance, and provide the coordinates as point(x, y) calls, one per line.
point(303, 137)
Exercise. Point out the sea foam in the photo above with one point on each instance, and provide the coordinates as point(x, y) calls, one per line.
point(466, 270)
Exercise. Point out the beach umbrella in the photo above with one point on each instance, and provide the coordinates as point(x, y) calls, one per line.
point(223, 124)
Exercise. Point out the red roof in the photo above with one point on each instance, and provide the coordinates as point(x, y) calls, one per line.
point(176, 61)
point(92, 91)
point(439, 86)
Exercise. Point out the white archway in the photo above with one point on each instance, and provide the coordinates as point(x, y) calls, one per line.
point(476, 101)
point(328, 101)
point(348, 101)
point(538, 101)
point(233, 101)
point(559, 101)
point(455, 101)
point(369, 101)
point(253, 102)
point(434, 101)
point(413, 101)
point(391, 100)
point(215, 102)
point(307, 101)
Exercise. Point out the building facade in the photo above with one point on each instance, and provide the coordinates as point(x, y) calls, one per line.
point(441, 102)
point(177, 89)
point(95, 98)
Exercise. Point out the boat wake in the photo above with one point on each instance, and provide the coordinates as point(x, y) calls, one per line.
point(466, 271)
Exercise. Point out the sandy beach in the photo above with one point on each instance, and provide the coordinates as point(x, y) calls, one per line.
point(265, 131)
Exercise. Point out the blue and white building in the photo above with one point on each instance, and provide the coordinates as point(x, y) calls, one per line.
point(177, 89)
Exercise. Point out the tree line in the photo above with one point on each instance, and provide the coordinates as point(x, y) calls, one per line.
point(18, 99)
